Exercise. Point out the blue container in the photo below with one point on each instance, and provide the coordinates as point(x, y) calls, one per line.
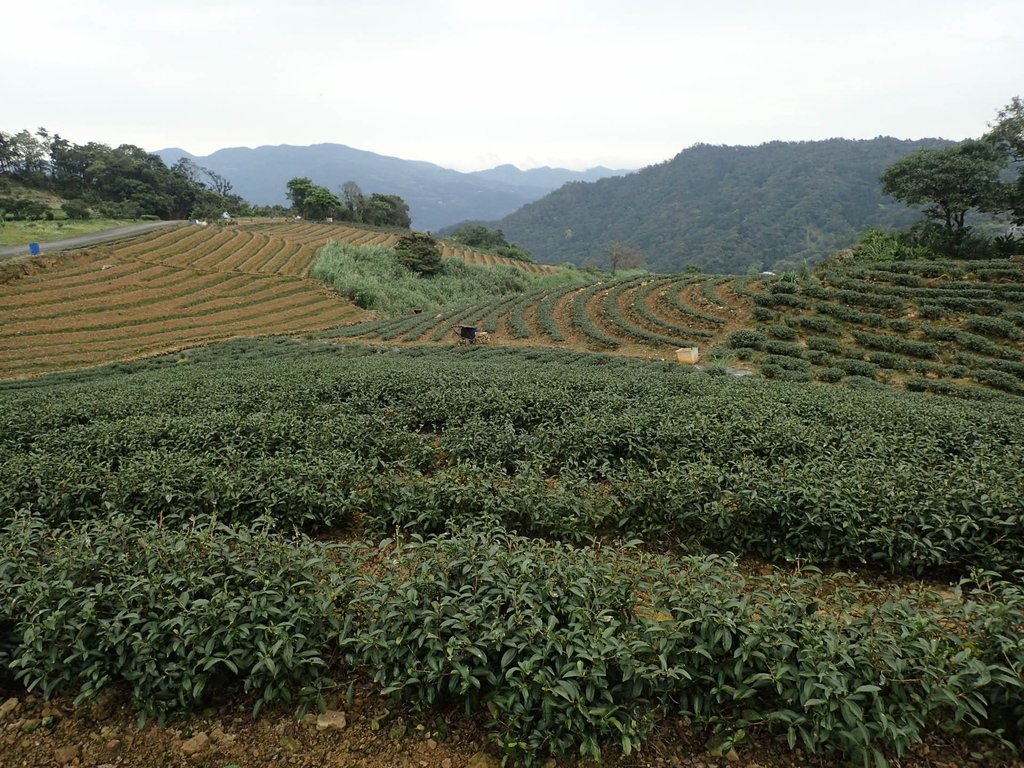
point(34, 249)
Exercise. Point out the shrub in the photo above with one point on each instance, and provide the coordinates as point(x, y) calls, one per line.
point(888, 360)
point(782, 331)
point(818, 324)
point(76, 209)
point(1004, 381)
point(570, 649)
point(753, 339)
point(828, 345)
point(932, 311)
point(858, 368)
point(177, 615)
point(789, 363)
point(897, 344)
point(940, 332)
point(992, 326)
point(783, 348)
point(888, 245)
point(829, 375)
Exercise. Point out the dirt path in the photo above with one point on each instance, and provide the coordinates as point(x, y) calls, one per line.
point(11, 251)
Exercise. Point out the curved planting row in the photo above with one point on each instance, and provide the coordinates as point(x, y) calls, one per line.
point(451, 250)
point(163, 291)
point(642, 316)
point(953, 327)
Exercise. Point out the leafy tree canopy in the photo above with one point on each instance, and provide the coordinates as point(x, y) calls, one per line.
point(949, 182)
point(124, 181)
point(1007, 135)
point(419, 252)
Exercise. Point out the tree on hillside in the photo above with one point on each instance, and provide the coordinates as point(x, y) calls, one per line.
point(479, 236)
point(23, 155)
point(312, 201)
point(354, 201)
point(419, 252)
point(624, 256)
point(120, 182)
point(320, 203)
point(298, 188)
point(387, 211)
point(1007, 135)
point(218, 183)
point(948, 182)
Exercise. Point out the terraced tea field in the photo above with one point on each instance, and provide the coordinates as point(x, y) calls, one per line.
point(174, 289)
point(648, 316)
point(163, 291)
point(949, 327)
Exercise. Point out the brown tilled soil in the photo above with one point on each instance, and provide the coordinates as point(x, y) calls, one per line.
point(364, 731)
point(123, 301)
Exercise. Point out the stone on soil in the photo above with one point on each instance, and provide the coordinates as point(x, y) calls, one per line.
point(332, 719)
point(9, 707)
point(65, 755)
point(483, 760)
point(198, 743)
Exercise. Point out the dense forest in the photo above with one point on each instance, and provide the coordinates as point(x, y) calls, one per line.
point(724, 209)
point(115, 182)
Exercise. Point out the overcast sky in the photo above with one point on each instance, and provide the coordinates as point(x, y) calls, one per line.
point(470, 84)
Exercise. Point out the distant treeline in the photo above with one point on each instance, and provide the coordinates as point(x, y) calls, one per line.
point(117, 182)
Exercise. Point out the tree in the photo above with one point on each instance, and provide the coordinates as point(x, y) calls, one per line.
point(312, 201)
point(387, 211)
point(479, 236)
point(320, 203)
point(218, 183)
point(355, 201)
point(624, 256)
point(298, 188)
point(419, 252)
point(948, 182)
point(1007, 136)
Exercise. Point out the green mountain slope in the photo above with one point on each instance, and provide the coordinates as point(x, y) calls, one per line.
point(723, 208)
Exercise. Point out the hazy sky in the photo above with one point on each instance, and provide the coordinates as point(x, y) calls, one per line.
point(469, 84)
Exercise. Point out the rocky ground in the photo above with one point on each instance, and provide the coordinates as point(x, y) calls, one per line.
point(356, 730)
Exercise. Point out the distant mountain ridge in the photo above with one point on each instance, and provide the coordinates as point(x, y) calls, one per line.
point(723, 208)
point(437, 196)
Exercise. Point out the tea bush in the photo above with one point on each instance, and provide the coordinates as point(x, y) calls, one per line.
point(178, 615)
point(572, 649)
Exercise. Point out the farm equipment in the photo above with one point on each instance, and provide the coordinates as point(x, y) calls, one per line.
point(470, 334)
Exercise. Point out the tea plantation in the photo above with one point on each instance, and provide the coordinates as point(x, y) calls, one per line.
point(574, 545)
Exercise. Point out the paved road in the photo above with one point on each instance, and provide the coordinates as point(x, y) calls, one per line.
point(8, 251)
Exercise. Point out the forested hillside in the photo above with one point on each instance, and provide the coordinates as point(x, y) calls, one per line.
point(724, 209)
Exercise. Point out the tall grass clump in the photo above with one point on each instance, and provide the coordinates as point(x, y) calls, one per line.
point(372, 277)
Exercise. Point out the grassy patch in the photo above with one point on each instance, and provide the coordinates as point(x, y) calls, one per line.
point(23, 232)
point(373, 278)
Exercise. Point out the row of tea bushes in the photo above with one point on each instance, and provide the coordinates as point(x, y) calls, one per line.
point(567, 650)
point(557, 444)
